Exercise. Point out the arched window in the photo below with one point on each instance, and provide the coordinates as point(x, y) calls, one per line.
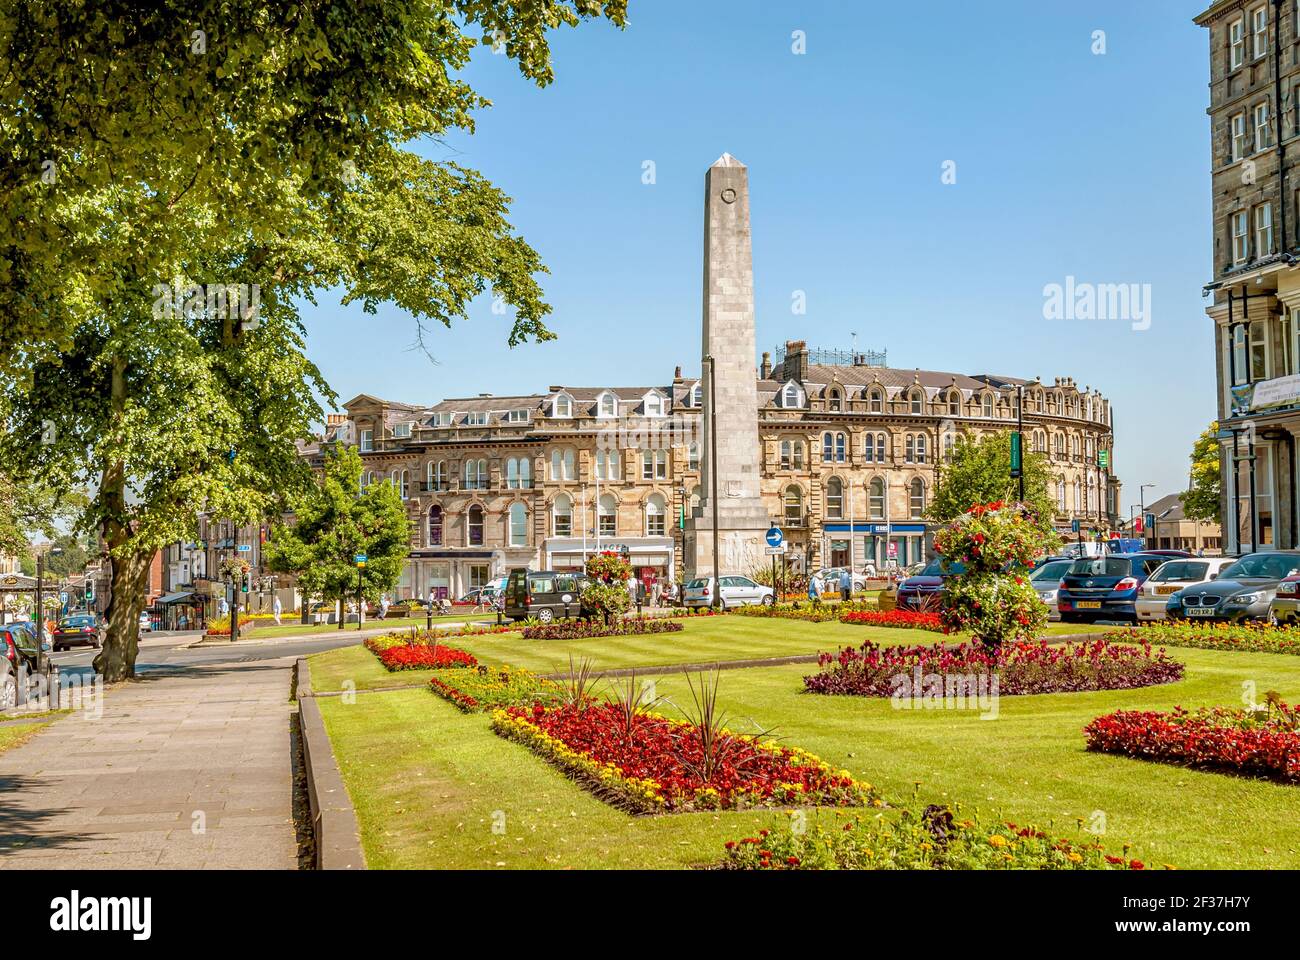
point(879, 454)
point(476, 475)
point(654, 465)
point(876, 499)
point(518, 525)
point(562, 516)
point(562, 464)
point(655, 516)
point(954, 403)
point(654, 405)
point(1060, 495)
point(608, 405)
point(1078, 497)
point(877, 400)
point(474, 526)
point(833, 447)
point(1038, 401)
point(949, 444)
point(435, 526)
point(697, 396)
point(920, 448)
point(563, 407)
point(607, 515)
point(835, 499)
point(917, 399)
point(916, 498)
point(402, 481)
point(791, 454)
point(608, 465)
point(519, 473)
point(793, 500)
point(988, 405)
point(835, 399)
point(791, 396)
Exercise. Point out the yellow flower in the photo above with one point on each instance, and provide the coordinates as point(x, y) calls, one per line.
point(997, 841)
point(1075, 858)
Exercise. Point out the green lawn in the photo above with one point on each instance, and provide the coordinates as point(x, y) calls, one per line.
point(15, 734)
point(428, 780)
point(296, 629)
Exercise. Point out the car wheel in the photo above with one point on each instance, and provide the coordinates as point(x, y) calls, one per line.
point(769, 600)
point(8, 692)
point(546, 615)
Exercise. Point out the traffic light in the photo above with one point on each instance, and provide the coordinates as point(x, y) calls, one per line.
point(243, 584)
point(90, 592)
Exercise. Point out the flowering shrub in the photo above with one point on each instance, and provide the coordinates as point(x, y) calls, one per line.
point(420, 656)
point(932, 840)
point(822, 613)
point(584, 629)
point(1264, 741)
point(680, 613)
point(1248, 637)
point(486, 688)
point(657, 767)
point(220, 626)
point(413, 637)
point(903, 619)
point(986, 600)
point(606, 591)
point(1021, 668)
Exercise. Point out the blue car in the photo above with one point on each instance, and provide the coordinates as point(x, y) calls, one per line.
point(1106, 587)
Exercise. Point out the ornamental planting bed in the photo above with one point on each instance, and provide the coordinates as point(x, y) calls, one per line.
point(1263, 742)
point(488, 688)
point(804, 610)
point(422, 656)
point(585, 629)
point(901, 619)
point(1254, 637)
point(1021, 668)
point(655, 764)
point(932, 840)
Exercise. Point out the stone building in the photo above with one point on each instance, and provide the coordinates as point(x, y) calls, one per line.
point(1171, 529)
point(848, 454)
point(1254, 113)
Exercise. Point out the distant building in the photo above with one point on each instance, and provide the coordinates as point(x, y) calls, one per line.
point(1172, 530)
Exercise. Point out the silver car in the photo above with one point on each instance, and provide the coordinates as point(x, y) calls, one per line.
point(1170, 577)
point(736, 592)
point(1046, 580)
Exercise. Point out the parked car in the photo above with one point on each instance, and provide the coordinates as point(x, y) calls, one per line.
point(830, 579)
point(1046, 580)
point(923, 588)
point(736, 592)
point(1170, 577)
point(544, 594)
point(75, 631)
point(18, 647)
point(1285, 606)
point(1105, 587)
point(1244, 590)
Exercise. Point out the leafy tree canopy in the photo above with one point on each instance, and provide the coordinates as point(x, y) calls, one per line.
point(1201, 502)
point(980, 472)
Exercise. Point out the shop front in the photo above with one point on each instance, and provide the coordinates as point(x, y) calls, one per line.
point(450, 574)
point(883, 545)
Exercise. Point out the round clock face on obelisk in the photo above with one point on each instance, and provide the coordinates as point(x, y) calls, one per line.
point(728, 195)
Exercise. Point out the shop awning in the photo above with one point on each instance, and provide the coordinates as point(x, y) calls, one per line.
point(172, 599)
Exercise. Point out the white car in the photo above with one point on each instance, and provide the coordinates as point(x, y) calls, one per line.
point(1046, 580)
point(736, 592)
point(1170, 577)
point(829, 579)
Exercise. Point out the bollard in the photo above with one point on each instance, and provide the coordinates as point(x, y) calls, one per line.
point(56, 688)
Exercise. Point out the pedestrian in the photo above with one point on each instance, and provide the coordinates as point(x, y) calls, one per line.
point(383, 606)
point(846, 585)
point(223, 607)
point(277, 608)
point(814, 590)
point(656, 593)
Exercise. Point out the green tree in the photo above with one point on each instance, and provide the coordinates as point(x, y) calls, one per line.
point(1201, 501)
point(980, 472)
point(333, 522)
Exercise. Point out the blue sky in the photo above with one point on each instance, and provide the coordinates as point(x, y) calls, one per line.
point(1067, 163)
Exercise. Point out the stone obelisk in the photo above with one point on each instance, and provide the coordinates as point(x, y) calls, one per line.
point(728, 338)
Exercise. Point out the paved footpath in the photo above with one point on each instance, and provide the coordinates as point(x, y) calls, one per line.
point(185, 768)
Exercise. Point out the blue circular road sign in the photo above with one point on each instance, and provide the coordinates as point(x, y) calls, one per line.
point(775, 537)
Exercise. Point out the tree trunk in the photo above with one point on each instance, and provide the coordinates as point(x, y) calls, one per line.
point(129, 579)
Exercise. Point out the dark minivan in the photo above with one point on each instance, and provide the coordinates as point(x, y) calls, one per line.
point(545, 594)
point(1105, 587)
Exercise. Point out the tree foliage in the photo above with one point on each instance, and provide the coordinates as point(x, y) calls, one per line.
point(980, 472)
point(336, 520)
point(1201, 502)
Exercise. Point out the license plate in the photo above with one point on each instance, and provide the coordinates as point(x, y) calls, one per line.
point(1165, 591)
point(1089, 604)
point(1199, 611)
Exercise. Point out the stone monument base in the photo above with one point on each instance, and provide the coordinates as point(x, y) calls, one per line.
point(742, 542)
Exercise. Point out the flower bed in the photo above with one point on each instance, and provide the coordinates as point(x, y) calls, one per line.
point(931, 840)
point(412, 637)
point(220, 626)
point(902, 619)
point(657, 769)
point(488, 688)
point(423, 656)
point(819, 613)
point(1020, 668)
point(1263, 742)
point(1250, 637)
point(584, 629)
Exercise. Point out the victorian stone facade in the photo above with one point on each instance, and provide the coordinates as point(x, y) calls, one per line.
point(848, 454)
point(1254, 115)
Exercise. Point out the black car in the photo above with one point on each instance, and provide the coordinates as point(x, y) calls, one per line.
point(75, 631)
point(544, 594)
point(18, 648)
point(1241, 591)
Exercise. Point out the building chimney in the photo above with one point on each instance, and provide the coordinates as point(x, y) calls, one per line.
point(335, 419)
point(765, 371)
point(795, 366)
point(677, 373)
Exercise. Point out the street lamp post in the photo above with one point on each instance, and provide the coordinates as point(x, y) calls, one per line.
point(1142, 506)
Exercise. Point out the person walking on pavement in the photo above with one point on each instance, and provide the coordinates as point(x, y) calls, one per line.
point(814, 589)
point(277, 608)
point(846, 585)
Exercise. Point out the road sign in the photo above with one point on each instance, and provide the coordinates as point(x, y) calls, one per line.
point(1149, 522)
point(360, 558)
point(777, 551)
point(1103, 458)
point(1017, 459)
point(1074, 526)
point(63, 596)
point(244, 547)
point(775, 538)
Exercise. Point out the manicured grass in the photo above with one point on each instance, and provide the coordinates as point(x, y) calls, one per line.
point(305, 629)
point(13, 735)
point(428, 780)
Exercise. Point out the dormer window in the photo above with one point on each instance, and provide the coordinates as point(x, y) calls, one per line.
point(476, 418)
point(401, 431)
point(654, 405)
point(562, 406)
point(697, 396)
point(518, 416)
point(441, 420)
point(917, 399)
point(792, 395)
point(877, 400)
point(835, 399)
point(607, 405)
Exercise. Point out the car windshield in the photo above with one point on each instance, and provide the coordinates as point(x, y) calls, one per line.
point(697, 583)
point(1100, 567)
point(1054, 570)
point(1263, 566)
point(1190, 571)
point(76, 622)
point(940, 567)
